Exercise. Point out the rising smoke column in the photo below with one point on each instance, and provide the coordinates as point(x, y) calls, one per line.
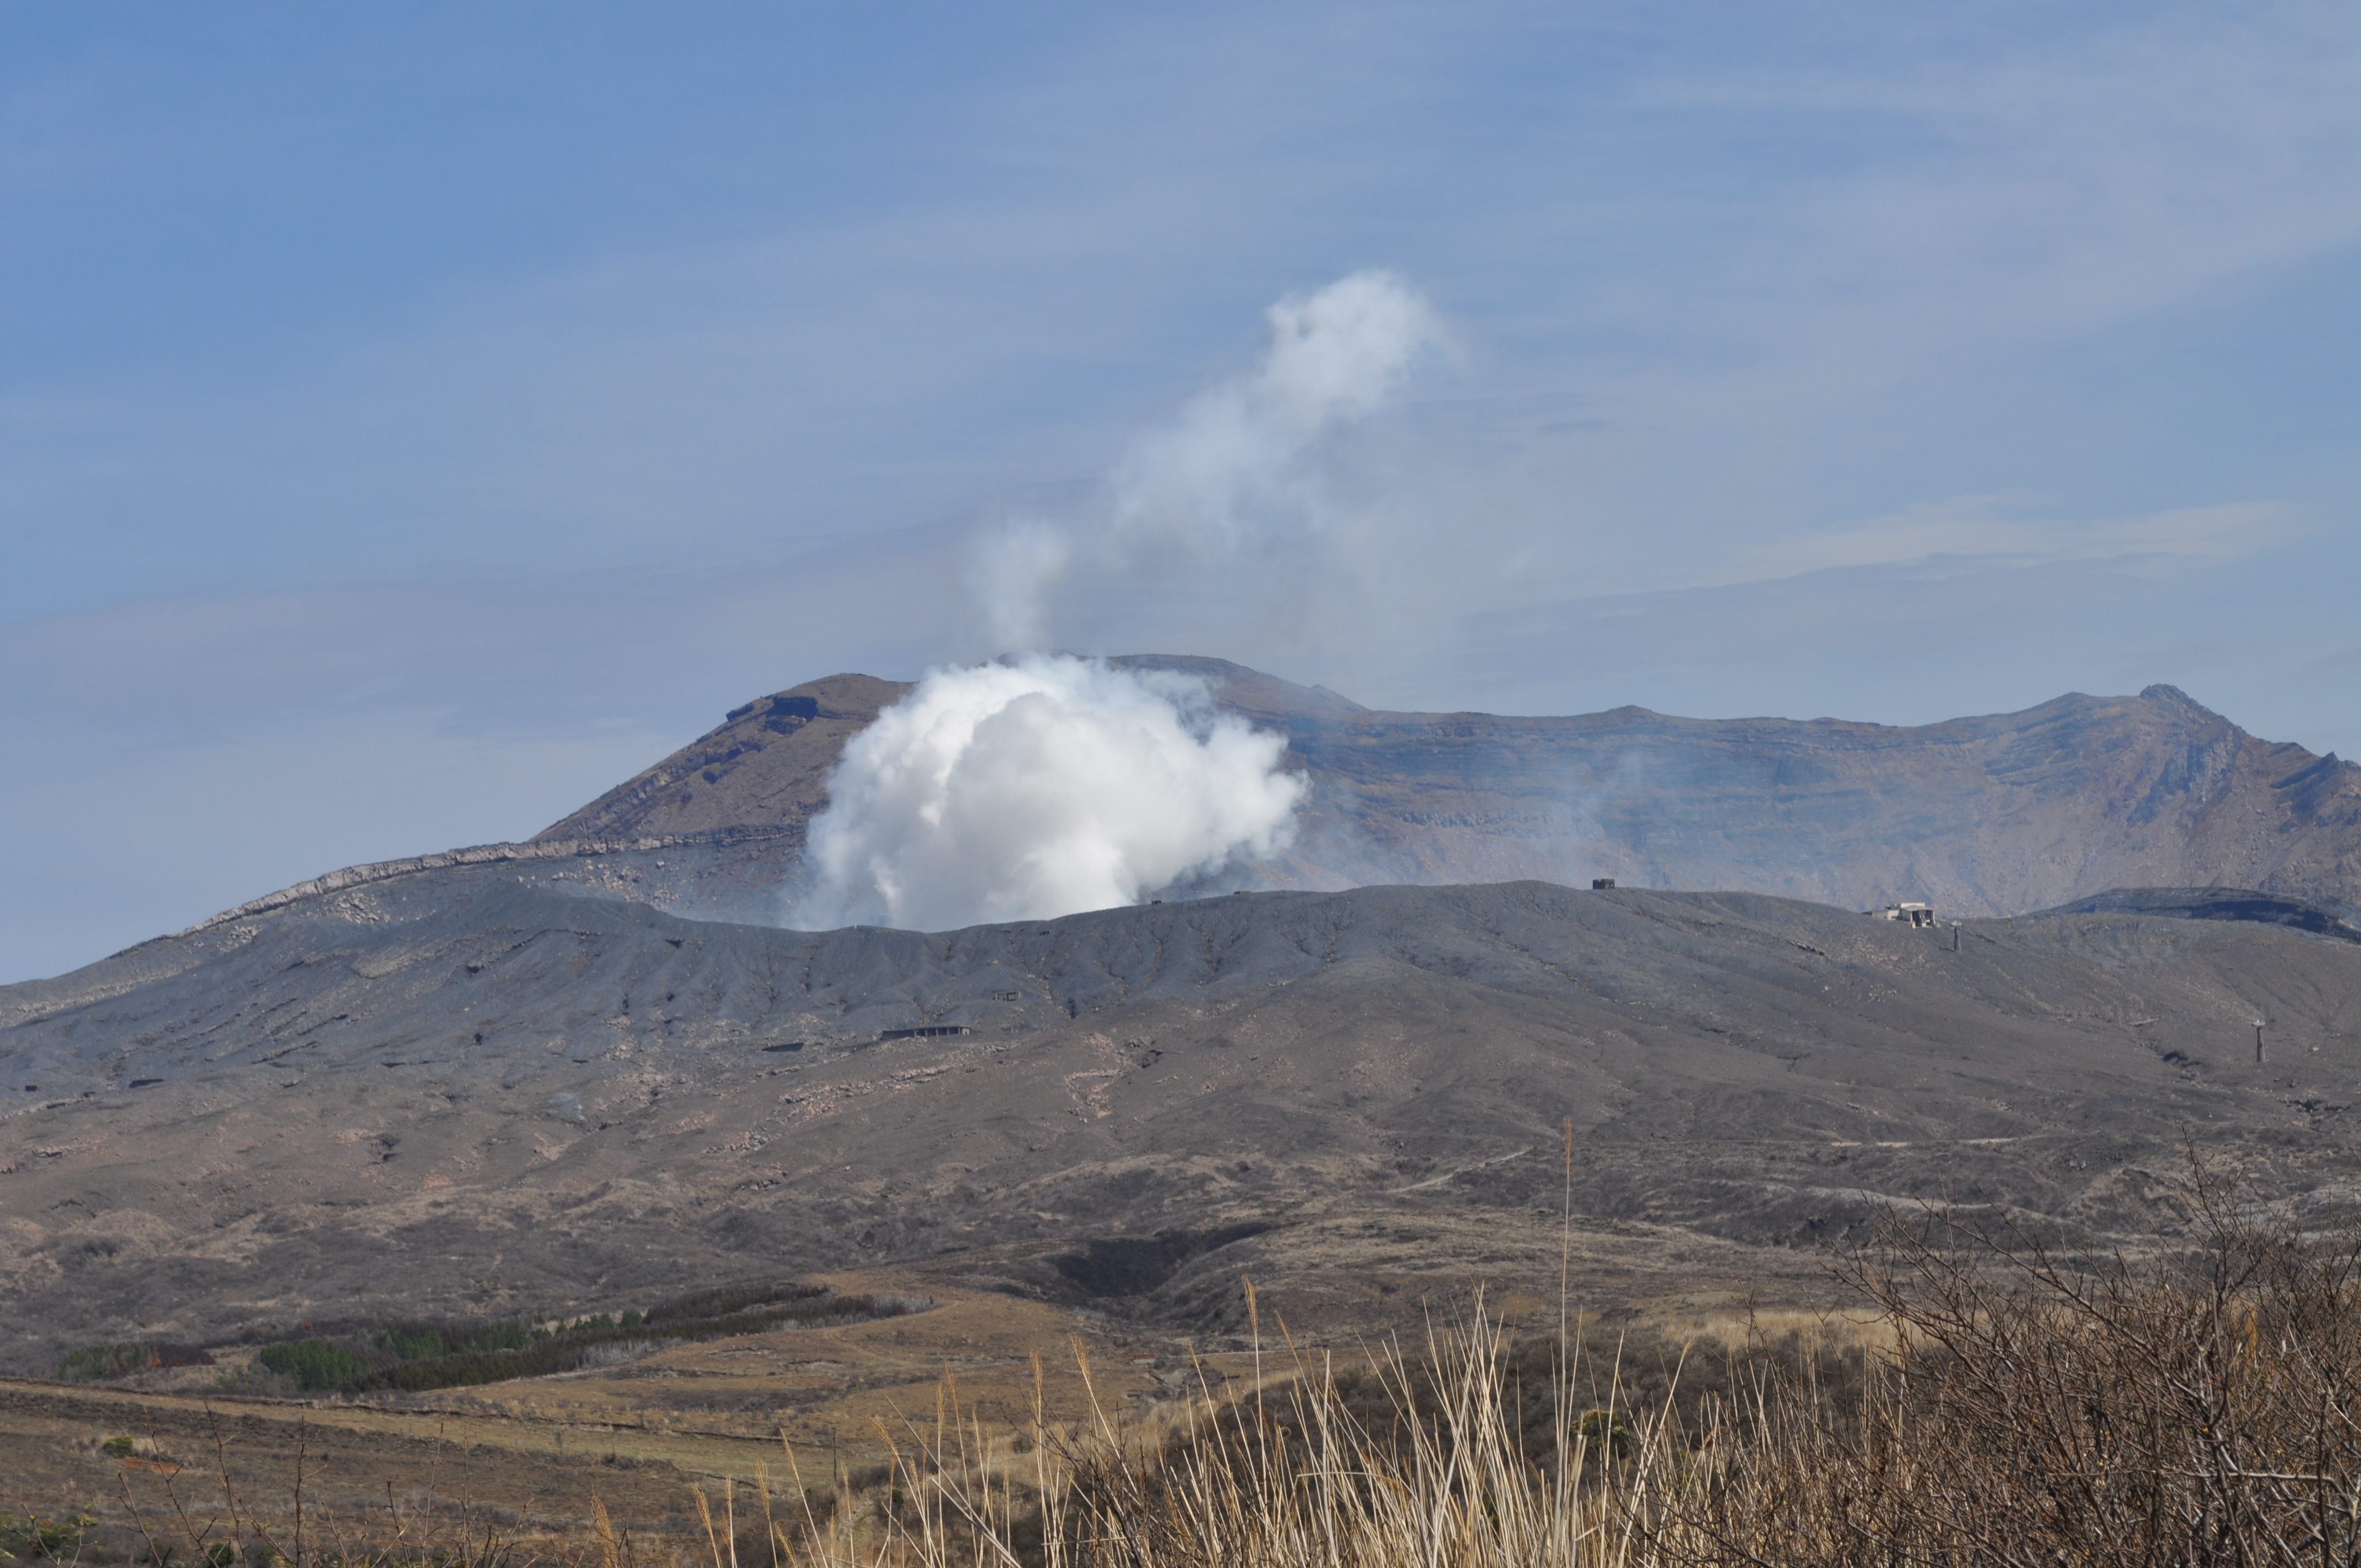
point(1038, 786)
point(1044, 785)
point(1235, 471)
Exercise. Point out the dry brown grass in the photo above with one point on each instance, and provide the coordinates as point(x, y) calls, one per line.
point(2193, 1405)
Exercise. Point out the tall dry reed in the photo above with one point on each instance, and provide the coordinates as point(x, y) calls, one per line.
point(2195, 1405)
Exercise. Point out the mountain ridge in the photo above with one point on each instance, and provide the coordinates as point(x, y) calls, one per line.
point(1986, 814)
point(637, 840)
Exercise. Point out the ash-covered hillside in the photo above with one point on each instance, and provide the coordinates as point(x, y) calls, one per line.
point(456, 1092)
point(1996, 814)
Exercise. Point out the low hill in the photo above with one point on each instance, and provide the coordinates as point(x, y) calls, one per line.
point(456, 1092)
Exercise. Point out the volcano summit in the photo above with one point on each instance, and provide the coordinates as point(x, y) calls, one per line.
point(1989, 816)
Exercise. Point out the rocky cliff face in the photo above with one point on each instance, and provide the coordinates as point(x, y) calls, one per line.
point(1984, 815)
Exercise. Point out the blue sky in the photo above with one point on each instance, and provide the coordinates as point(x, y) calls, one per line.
point(414, 420)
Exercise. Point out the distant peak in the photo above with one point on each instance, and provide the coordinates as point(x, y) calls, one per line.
point(2176, 698)
point(1237, 686)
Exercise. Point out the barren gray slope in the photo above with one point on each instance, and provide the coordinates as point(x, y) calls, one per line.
point(456, 1091)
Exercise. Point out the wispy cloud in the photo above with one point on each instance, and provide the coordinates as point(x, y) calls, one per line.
point(1994, 531)
point(1229, 484)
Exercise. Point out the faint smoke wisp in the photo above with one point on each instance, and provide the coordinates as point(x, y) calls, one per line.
point(1038, 786)
point(1234, 468)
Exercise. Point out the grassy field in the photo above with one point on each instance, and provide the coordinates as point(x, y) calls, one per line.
point(1989, 1401)
point(533, 1454)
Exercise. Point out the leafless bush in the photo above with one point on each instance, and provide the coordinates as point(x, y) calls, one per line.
point(2197, 1405)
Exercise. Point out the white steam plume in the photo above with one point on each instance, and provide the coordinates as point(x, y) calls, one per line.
point(1233, 468)
point(1040, 786)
